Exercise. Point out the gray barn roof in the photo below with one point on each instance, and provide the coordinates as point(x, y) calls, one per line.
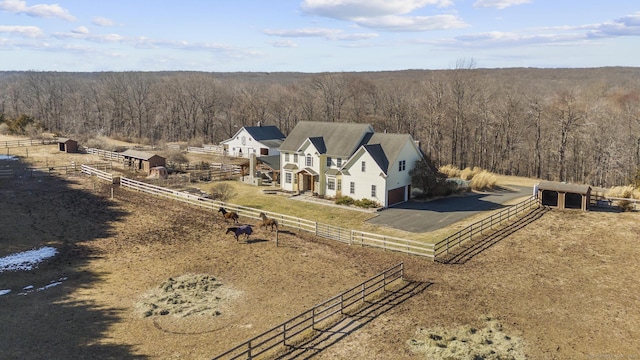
point(269, 132)
point(340, 139)
point(563, 187)
point(136, 154)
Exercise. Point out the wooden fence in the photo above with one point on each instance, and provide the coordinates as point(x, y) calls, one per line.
point(318, 318)
point(102, 175)
point(6, 174)
point(109, 155)
point(478, 228)
point(603, 201)
point(207, 149)
point(27, 142)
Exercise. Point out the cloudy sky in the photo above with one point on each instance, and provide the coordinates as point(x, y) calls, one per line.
point(315, 35)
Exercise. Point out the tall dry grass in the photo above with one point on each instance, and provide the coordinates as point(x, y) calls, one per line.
point(484, 180)
point(450, 170)
point(627, 192)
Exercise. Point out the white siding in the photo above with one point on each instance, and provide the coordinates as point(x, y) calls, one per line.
point(364, 180)
point(395, 178)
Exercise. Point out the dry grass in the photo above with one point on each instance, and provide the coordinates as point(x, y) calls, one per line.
point(449, 170)
point(484, 180)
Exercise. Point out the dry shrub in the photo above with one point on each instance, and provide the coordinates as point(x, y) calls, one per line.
point(484, 180)
point(627, 192)
point(449, 170)
point(468, 173)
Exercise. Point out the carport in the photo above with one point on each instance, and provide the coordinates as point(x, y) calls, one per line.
point(564, 196)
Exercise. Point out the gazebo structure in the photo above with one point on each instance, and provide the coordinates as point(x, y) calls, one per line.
point(67, 145)
point(563, 195)
point(142, 161)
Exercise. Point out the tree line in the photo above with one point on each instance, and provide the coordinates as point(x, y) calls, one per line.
point(575, 125)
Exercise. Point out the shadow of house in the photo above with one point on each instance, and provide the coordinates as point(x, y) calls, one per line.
point(67, 145)
point(141, 160)
point(564, 196)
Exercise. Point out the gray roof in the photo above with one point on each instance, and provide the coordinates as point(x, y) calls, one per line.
point(377, 153)
point(272, 143)
point(340, 139)
point(391, 145)
point(318, 143)
point(272, 161)
point(136, 154)
point(269, 132)
point(564, 187)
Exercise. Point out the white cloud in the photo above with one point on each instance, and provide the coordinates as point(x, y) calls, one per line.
point(349, 9)
point(499, 4)
point(628, 25)
point(38, 10)
point(412, 23)
point(26, 31)
point(102, 21)
point(383, 14)
point(283, 44)
point(329, 34)
point(81, 30)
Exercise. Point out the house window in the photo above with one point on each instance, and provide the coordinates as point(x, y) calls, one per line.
point(373, 191)
point(244, 140)
point(287, 178)
point(328, 161)
point(338, 162)
point(309, 161)
point(402, 165)
point(295, 158)
point(286, 157)
point(331, 184)
point(339, 184)
point(352, 188)
point(364, 166)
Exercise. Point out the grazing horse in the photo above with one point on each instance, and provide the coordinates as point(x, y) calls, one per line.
point(268, 222)
point(239, 230)
point(228, 214)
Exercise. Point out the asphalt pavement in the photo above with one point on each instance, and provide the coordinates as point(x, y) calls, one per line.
point(420, 217)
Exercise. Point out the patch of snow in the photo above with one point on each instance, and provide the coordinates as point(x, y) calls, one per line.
point(5, 292)
point(8, 157)
point(26, 260)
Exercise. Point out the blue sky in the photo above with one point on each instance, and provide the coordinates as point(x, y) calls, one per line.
point(315, 35)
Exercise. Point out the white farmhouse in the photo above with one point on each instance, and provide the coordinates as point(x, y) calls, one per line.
point(258, 140)
point(348, 159)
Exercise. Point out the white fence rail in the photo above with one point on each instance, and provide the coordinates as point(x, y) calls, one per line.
point(102, 175)
point(110, 155)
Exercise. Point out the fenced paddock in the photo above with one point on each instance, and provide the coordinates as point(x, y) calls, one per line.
point(478, 228)
point(318, 318)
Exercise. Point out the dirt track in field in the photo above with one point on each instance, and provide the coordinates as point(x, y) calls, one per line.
point(565, 284)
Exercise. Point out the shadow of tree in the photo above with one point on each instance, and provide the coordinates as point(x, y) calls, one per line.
point(38, 321)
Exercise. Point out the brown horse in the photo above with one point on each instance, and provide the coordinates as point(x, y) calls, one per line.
point(228, 214)
point(239, 230)
point(268, 222)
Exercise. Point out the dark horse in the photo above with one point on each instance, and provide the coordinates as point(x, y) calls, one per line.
point(268, 222)
point(228, 214)
point(239, 230)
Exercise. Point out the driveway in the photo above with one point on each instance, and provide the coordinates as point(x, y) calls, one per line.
point(428, 216)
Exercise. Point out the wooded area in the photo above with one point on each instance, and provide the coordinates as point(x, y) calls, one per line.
point(577, 125)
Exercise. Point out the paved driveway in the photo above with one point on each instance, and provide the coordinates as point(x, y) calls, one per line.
point(422, 217)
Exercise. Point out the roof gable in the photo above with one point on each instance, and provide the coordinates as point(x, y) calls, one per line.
point(392, 145)
point(339, 139)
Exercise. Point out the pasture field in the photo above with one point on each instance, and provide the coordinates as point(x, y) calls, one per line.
point(565, 286)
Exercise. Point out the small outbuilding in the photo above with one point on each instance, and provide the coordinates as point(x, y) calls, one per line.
point(142, 161)
point(67, 145)
point(563, 195)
